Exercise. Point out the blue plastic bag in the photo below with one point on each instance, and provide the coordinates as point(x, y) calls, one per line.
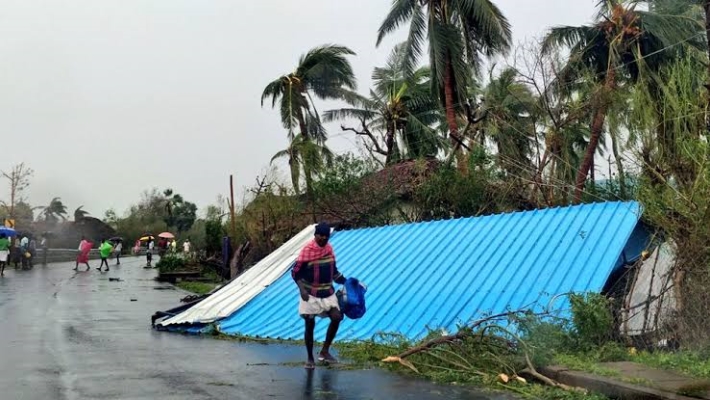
point(351, 298)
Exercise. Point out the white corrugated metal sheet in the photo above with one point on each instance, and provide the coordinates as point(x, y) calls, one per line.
point(252, 282)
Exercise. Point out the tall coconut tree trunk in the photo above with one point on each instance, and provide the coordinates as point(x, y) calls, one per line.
point(450, 102)
point(294, 166)
point(706, 6)
point(389, 142)
point(310, 198)
point(450, 108)
point(596, 132)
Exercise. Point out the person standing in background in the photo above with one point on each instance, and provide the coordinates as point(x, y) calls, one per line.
point(25, 251)
point(4, 252)
point(149, 251)
point(118, 249)
point(15, 256)
point(43, 245)
point(32, 249)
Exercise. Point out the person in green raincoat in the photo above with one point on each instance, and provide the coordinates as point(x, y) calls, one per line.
point(105, 251)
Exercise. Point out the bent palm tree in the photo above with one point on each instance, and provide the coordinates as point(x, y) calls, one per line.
point(55, 210)
point(80, 213)
point(510, 121)
point(460, 33)
point(622, 45)
point(401, 107)
point(322, 72)
point(307, 157)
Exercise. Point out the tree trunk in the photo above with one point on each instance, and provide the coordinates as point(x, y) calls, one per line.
point(596, 133)
point(449, 101)
point(450, 107)
point(309, 191)
point(706, 6)
point(389, 142)
point(537, 181)
point(619, 166)
point(12, 201)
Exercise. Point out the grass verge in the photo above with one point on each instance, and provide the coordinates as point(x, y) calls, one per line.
point(196, 287)
point(692, 363)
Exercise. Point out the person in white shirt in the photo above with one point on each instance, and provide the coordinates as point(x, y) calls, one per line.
point(149, 252)
point(118, 249)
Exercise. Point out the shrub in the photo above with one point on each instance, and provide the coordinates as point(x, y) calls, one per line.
point(171, 262)
point(592, 319)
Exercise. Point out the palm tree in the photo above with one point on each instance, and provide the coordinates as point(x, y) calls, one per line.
point(509, 107)
point(307, 158)
point(172, 201)
point(323, 72)
point(622, 45)
point(80, 214)
point(55, 210)
point(399, 106)
point(459, 34)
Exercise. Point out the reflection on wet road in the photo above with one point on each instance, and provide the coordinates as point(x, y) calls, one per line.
point(77, 335)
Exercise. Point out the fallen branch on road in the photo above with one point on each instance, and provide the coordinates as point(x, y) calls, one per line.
point(491, 349)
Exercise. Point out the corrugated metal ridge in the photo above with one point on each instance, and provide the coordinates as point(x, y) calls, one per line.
point(440, 273)
point(245, 287)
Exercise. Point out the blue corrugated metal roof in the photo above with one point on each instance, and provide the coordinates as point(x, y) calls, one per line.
point(439, 274)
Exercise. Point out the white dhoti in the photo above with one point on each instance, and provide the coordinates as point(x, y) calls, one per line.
point(316, 306)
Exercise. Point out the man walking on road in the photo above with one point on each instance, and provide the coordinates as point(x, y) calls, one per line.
point(105, 251)
point(118, 249)
point(314, 273)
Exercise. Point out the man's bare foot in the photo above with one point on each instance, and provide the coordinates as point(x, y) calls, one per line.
point(309, 365)
point(327, 358)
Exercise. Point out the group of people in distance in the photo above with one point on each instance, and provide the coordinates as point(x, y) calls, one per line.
point(105, 251)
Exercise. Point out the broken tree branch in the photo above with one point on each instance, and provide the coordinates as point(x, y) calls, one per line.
point(458, 336)
point(366, 132)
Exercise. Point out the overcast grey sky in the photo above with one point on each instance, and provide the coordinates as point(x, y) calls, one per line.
point(107, 98)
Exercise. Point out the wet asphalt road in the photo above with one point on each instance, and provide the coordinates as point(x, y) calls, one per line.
point(77, 335)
